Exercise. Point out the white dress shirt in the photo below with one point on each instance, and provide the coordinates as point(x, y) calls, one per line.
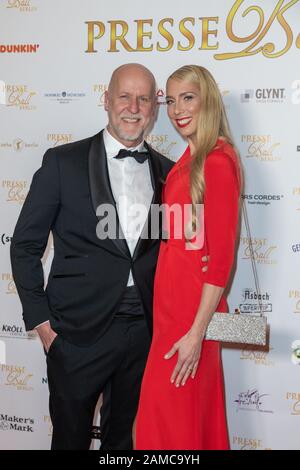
point(131, 185)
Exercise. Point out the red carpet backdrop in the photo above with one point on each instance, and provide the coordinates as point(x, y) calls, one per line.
point(56, 58)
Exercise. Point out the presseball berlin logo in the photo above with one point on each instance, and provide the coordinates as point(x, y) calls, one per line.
point(99, 89)
point(16, 377)
point(7, 280)
point(21, 5)
point(162, 144)
point(59, 139)
point(294, 401)
point(16, 191)
point(248, 443)
point(263, 251)
point(259, 358)
point(261, 147)
point(294, 294)
point(20, 96)
point(2, 352)
point(2, 92)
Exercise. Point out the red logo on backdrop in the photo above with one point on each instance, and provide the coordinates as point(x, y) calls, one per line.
point(19, 48)
point(160, 96)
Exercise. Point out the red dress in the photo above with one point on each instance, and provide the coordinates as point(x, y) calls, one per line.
point(190, 416)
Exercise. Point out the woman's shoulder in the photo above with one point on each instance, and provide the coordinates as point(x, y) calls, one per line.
point(223, 155)
point(222, 162)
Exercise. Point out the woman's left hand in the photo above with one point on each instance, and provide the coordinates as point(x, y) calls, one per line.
point(189, 350)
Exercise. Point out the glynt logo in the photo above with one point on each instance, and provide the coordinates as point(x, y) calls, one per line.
point(264, 95)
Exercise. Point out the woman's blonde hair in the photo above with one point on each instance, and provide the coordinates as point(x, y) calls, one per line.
point(212, 124)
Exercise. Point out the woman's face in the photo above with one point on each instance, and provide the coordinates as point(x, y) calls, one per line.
point(183, 104)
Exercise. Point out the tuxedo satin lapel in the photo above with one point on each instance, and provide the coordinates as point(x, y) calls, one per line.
point(100, 187)
point(145, 239)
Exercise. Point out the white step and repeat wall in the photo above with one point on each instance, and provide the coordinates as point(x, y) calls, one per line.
point(56, 58)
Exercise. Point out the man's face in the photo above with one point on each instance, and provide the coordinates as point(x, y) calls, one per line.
point(130, 103)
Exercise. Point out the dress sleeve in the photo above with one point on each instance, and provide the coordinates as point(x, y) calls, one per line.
point(221, 208)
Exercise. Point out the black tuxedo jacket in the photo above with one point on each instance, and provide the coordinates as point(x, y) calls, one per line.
point(88, 276)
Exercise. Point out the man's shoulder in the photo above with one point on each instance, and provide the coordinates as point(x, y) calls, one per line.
point(71, 148)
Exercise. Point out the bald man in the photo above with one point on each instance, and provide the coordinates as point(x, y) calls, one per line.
point(95, 316)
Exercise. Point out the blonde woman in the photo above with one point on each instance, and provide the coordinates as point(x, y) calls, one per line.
point(182, 398)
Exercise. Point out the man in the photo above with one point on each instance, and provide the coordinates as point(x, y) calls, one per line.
point(94, 318)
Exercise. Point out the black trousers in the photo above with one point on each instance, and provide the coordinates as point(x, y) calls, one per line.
point(77, 375)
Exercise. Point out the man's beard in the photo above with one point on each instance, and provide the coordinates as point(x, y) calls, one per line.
point(129, 137)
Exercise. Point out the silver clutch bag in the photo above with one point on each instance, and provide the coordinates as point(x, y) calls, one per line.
point(240, 328)
point(237, 328)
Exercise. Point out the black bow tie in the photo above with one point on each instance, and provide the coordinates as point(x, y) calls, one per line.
point(138, 156)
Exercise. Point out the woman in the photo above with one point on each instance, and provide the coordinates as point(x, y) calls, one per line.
point(182, 397)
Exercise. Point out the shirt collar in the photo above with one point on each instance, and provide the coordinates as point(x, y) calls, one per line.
point(112, 145)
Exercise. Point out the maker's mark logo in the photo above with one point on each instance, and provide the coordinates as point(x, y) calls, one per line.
point(16, 423)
